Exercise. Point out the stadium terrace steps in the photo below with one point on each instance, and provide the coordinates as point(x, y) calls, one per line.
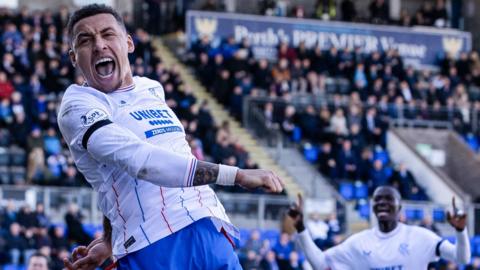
point(220, 115)
point(306, 174)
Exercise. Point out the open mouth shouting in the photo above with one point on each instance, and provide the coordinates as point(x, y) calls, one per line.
point(383, 211)
point(105, 67)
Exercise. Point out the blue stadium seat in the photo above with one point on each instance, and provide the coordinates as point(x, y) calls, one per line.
point(4, 175)
point(18, 156)
point(244, 236)
point(364, 209)
point(438, 215)
point(297, 134)
point(13, 267)
point(310, 153)
point(18, 174)
point(91, 229)
point(4, 137)
point(361, 190)
point(382, 155)
point(419, 214)
point(476, 245)
point(410, 213)
point(4, 157)
point(347, 190)
point(472, 142)
point(271, 235)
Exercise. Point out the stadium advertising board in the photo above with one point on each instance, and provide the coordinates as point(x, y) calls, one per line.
point(419, 46)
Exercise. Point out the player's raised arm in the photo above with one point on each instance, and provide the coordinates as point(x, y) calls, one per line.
point(314, 255)
point(87, 126)
point(460, 252)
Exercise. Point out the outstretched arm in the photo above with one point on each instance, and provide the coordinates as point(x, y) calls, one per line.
point(314, 255)
point(113, 144)
point(460, 252)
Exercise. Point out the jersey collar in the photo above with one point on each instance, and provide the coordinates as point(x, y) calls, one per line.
point(380, 234)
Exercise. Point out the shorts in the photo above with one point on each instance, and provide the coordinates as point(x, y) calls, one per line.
point(197, 246)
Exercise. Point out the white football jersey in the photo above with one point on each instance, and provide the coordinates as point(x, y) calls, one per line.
point(405, 248)
point(131, 148)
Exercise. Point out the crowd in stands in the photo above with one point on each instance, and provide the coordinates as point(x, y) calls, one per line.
point(29, 236)
point(27, 233)
point(431, 13)
point(35, 71)
point(368, 93)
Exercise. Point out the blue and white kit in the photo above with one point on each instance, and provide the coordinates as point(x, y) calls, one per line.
point(131, 148)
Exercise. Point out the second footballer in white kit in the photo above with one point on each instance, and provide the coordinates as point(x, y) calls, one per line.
point(389, 246)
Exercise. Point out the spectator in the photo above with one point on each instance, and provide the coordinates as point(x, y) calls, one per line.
point(426, 13)
point(8, 216)
point(210, 5)
point(327, 162)
point(402, 179)
point(349, 12)
point(42, 220)
point(326, 9)
point(439, 14)
point(427, 223)
point(52, 143)
point(282, 249)
point(379, 12)
point(254, 242)
point(288, 124)
point(36, 166)
point(309, 123)
point(26, 218)
point(16, 244)
point(251, 260)
point(294, 262)
point(318, 229)
point(338, 122)
point(57, 165)
point(59, 241)
point(6, 87)
point(373, 127)
point(347, 161)
point(378, 175)
point(57, 260)
point(38, 261)
point(76, 233)
point(269, 262)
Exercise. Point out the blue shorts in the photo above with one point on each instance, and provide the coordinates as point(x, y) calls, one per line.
point(197, 246)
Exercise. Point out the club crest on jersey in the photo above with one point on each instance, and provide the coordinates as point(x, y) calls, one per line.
point(93, 116)
point(154, 92)
point(403, 249)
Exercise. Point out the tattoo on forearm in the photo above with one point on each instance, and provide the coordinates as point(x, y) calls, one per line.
point(206, 173)
point(107, 230)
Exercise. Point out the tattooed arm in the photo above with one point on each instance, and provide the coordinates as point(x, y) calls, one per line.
point(208, 173)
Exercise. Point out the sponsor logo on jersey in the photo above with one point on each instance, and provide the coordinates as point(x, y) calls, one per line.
point(162, 130)
point(161, 118)
point(152, 115)
point(93, 116)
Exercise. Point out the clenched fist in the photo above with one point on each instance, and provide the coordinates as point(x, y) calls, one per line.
point(259, 178)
